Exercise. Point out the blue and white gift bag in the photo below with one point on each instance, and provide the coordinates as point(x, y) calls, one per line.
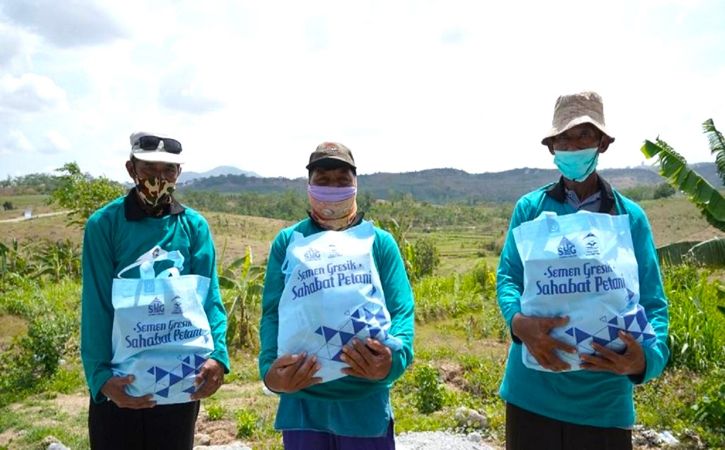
point(332, 293)
point(582, 266)
point(161, 334)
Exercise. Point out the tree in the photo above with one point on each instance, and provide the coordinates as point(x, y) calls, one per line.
point(663, 190)
point(706, 197)
point(83, 194)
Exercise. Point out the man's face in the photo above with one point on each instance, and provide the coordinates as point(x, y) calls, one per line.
point(579, 137)
point(339, 177)
point(146, 169)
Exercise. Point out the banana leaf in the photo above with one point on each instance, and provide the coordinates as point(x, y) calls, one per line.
point(710, 253)
point(717, 146)
point(674, 167)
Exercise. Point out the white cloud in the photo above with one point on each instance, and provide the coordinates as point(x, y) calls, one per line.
point(14, 141)
point(407, 85)
point(30, 92)
point(57, 143)
point(68, 23)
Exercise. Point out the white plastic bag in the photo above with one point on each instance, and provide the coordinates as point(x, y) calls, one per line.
point(161, 334)
point(332, 293)
point(582, 266)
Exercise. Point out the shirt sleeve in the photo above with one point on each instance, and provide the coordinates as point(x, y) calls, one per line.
point(203, 262)
point(510, 273)
point(269, 321)
point(651, 296)
point(398, 300)
point(96, 305)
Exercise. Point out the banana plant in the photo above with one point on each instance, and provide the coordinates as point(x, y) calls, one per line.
point(245, 282)
point(701, 193)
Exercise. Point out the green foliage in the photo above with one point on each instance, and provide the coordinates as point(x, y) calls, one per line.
point(34, 358)
point(709, 409)
point(34, 183)
point(717, 146)
point(429, 392)
point(8, 205)
point(83, 194)
point(244, 282)
point(247, 423)
point(663, 190)
point(289, 205)
point(425, 258)
point(214, 411)
point(673, 166)
point(695, 337)
point(42, 260)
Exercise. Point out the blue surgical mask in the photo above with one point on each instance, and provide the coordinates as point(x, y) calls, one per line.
point(577, 165)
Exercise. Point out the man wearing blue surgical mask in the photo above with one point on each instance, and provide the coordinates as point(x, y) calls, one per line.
point(556, 407)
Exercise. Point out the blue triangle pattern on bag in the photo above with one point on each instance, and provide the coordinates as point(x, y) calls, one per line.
point(199, 361)
point(641, 320)
point(329, 333)
point(186, 370)
point(173, 379)
point(613, 333)
point(345, 337)
point(163, 393)
point(581, 335)
point(160, 373)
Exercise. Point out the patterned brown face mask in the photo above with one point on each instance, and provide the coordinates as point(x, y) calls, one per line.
point(155, 192)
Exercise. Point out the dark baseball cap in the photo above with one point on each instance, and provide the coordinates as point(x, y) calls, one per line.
point(331, 154)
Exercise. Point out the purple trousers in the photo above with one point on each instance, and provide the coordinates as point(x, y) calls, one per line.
point(317, 440)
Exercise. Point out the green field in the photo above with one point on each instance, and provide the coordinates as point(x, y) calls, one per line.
point(460, 338)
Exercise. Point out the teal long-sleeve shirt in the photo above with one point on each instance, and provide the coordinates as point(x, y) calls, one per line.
point(582, 397)
point(348, 406)
point(115, 236)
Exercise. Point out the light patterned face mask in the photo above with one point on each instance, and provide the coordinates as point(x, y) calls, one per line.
point(333, 208)
point(155, 192)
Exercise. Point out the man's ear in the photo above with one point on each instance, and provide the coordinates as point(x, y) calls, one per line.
point(178, 171)
point(604, 143)
point(131, 169)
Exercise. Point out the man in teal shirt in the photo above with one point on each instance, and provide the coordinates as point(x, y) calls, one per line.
point(591, 408)
point(352, 412)
point(115, 237)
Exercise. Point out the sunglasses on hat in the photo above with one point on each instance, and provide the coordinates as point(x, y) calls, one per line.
point(152, 143)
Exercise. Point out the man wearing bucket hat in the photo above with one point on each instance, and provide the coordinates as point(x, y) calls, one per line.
point(337, 318)
point(556, 406)
point(145, 231)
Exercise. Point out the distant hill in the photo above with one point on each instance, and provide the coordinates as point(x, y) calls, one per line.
point(445, 185)
point(187, 177)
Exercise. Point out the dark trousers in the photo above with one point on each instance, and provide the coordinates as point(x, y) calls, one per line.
point(526, 430)
point(316, 440)
point(161, 427)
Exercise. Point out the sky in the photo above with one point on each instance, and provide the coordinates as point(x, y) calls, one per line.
point(407, 85)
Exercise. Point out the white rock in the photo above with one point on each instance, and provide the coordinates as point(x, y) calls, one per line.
point(236, 445)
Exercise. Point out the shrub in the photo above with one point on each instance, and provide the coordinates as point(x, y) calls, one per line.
point(246, 423)
point(214, 411)
point(429, 393)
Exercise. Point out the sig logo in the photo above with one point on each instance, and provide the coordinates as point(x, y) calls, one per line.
point(312, 255)
point(156, 307)
point(566, 249)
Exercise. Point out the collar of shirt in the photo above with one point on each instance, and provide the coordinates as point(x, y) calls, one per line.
point(591, 203)
point(558, 192)
point(134, 212)
point(356, 221)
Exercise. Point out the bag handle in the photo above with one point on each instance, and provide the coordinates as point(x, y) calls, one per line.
point(146, 262)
